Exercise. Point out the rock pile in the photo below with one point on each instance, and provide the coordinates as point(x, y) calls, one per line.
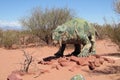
point(92, 61)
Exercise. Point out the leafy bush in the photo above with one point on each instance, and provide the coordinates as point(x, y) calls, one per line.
point(102, 33)
point(115, 36)
point(109, 31)
point(117, 6)
point(41, 22)
point(9, 38)
point(1, 35)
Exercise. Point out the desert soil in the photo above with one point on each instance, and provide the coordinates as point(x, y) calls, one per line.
point(11, 60)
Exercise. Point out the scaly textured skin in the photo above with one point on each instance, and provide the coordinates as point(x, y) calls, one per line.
point(78, 32)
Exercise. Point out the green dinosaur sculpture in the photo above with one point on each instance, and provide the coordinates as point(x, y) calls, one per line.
point(78, 32)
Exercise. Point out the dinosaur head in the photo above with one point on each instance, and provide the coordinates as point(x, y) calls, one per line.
point(58, 34)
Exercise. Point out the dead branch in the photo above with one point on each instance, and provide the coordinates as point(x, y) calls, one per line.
point(28, 60)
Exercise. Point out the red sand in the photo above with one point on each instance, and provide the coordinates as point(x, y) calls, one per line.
point(62, 68)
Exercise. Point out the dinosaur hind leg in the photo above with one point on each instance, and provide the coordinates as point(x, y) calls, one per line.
point(85, 50)
point(76, 50)
point(93, 45)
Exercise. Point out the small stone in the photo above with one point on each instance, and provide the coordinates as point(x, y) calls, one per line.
point(109, 60)
point(64, 64)
point(62, 60)
point(75, 59)
point(97, 63)
point(14, 76)
point(101, 60)
point(91, 66)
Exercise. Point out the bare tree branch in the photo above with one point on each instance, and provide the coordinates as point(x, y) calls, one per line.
point(117, 6)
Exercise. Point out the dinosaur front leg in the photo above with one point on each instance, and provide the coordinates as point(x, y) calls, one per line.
point(60, 51)
point(85, 50)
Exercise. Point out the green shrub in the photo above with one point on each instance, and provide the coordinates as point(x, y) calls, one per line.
point(111, 31)
point(9, 38)
point(1, 35)
point(100, 30)
point(115, 36)
point(41, 22)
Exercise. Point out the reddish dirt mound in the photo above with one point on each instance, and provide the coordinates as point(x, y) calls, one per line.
point(75, 62)
point(63, 68)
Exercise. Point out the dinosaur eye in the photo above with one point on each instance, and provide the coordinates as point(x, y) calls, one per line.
point(59, 31)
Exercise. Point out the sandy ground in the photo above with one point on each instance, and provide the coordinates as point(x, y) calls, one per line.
point(11, 60)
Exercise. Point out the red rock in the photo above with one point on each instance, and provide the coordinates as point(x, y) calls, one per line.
point(101, 60)
point(14, 76)
point(96, 56)
point(109, 60)
point(97, 63)
point(83, 61)
point(92, 58)
point(62, 60)
point(68, 63)
point(58, 67)
point(75, 59)
point(91, 66)
point(48, 63)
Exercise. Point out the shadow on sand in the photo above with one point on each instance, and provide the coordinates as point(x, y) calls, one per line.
point(49, 58)
point(112, 54)
point(106, 71)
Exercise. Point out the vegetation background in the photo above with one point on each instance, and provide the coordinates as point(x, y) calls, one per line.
point(39, 25)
